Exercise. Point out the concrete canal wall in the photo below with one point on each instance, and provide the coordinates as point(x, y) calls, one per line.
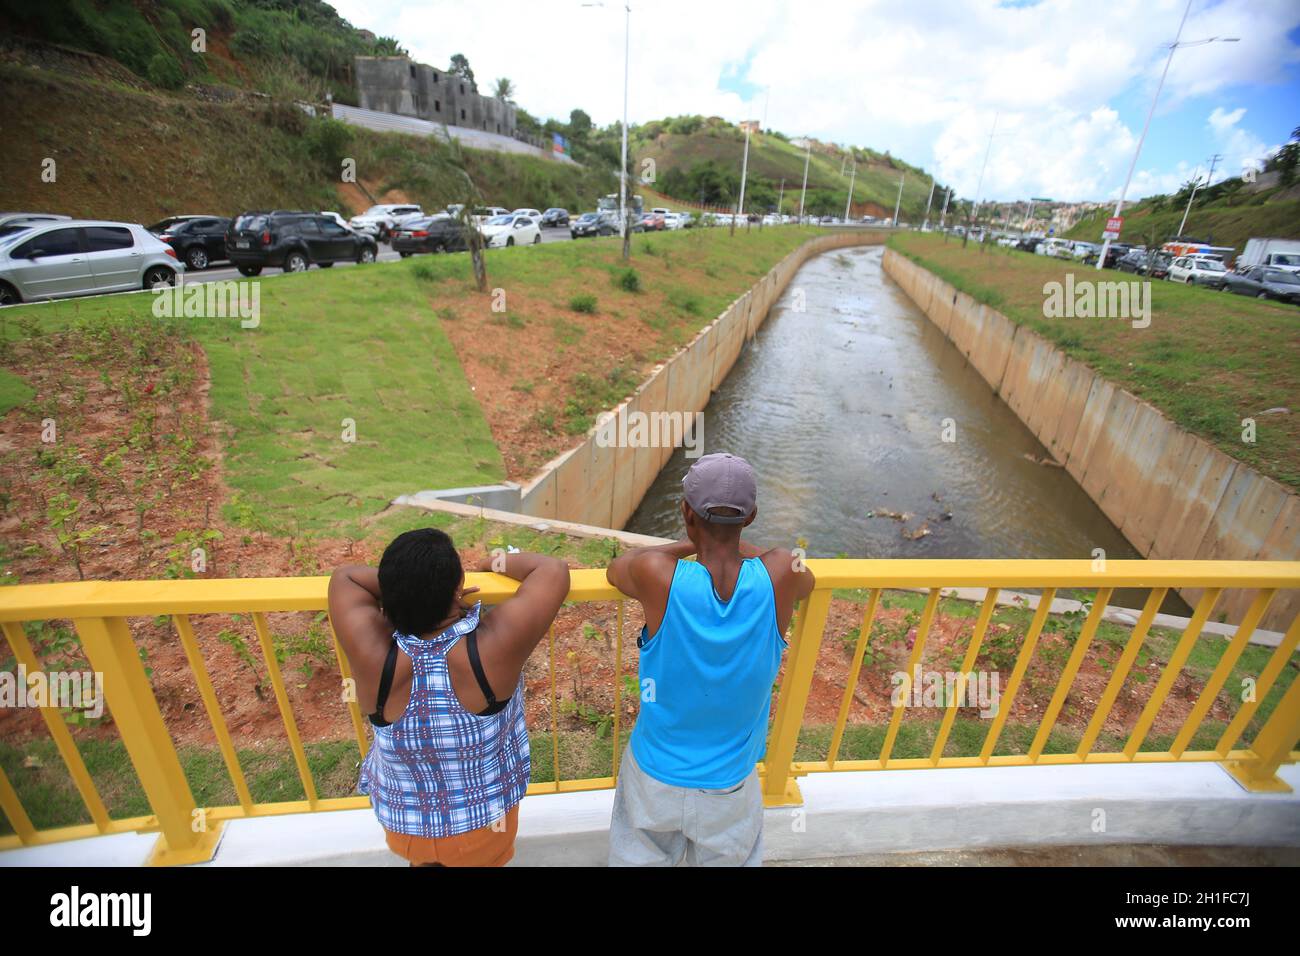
point(1172, 494)
point(602, 486)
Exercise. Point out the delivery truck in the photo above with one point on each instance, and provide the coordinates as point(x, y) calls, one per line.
point(1281, 254)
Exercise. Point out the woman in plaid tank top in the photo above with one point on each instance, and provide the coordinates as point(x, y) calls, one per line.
point(448, 762)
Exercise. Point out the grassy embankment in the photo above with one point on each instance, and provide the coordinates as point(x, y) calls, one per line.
point(1207, 360)
point(1227, 221)
point(128, 154)
point(773, 159)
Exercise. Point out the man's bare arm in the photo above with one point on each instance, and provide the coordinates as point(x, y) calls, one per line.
point(627, 572)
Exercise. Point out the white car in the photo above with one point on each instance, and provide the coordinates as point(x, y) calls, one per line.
point(532, 214)
point(1195, 270)
point(339, 219)
point(380, 221)
point(511, 230)
point(61, 258)
point(673, 220)
point(482, 214)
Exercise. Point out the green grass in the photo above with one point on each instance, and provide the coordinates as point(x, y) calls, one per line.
point(1230, 220)
point(1208, 360)
point(367, 346)
point(357, 345)
point(13, 391)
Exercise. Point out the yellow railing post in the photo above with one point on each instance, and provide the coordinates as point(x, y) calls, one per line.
point(186, 836)
point(779, 787)
point(1271, 747)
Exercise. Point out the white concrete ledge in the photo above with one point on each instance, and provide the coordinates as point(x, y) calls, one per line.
point(844, 814)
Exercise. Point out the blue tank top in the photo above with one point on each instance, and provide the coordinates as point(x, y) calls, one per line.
point(706, 680)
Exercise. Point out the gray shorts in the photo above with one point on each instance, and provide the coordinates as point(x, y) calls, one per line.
point(655, 824)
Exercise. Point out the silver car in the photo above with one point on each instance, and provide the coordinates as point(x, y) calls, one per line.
point(54, 260)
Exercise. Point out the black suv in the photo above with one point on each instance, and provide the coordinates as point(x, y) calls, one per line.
point(199, 241)
point(555, 216)
point(435, 234)
point(293, 241)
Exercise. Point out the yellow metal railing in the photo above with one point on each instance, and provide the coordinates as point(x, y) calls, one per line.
point(99, 612)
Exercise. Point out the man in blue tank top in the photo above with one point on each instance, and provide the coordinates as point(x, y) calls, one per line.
point(711, 648)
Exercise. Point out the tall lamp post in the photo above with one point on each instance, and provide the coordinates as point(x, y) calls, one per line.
point(806, 156)
point(1119, 203)
point(622, 173)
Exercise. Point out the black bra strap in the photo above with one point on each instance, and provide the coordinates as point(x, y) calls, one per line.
point(493, 705)
point(385, 685)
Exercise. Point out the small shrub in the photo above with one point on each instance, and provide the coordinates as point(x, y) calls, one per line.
point(628, 280)
point(164, 71)
point(584, 302)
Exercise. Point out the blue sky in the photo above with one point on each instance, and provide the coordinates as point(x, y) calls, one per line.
point(1068, 81)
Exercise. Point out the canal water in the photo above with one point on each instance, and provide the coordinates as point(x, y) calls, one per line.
point(843, 408)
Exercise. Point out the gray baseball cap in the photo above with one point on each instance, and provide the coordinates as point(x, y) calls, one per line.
point(721, 480)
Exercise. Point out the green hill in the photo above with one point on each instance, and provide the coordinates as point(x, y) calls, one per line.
point(699, 160)
point(1226, 214)
point(138, 155)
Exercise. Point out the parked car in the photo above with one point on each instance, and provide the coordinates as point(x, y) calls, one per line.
point(1158, 264)
point(1194, 270)
point(1264, 282)
point(16, 218)
point(555, 217)
point(61, 258)
point(1030, 243)
point(1134, 261)
point(162, 225)
point(685, 220)
point(482, 214)
point(533, 214)
point(336, 217)
point(511, 230)
point(654, 221)
point(591, 224)
point(1113, 254)
point(198, 241)
point(380, 221)
point(435, 234)
point(293, 241)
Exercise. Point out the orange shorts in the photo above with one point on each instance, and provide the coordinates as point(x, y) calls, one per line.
point(482, 847)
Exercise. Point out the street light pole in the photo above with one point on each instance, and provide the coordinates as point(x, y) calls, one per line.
point(852, 179)
point(980, 186)
point(622, 192)
point(1173, 47)
point(744, 171)
point(899, 202)
point(806, 156)
point(926, 221)
point(943, 216)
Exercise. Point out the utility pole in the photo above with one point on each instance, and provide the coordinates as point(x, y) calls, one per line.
point(806, 156)
point(926, 222)
point(943, 216)
point(780, 196)
point(849, 202)
point(979, 188)
point(622, 191)
point(1173, 48)
point(1196, 184)
point(744, 170)
point(899, 202)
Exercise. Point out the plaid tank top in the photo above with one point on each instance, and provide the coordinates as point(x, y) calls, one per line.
point(439, 770)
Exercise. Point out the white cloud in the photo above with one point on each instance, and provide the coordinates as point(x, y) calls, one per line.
point(922, 80)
